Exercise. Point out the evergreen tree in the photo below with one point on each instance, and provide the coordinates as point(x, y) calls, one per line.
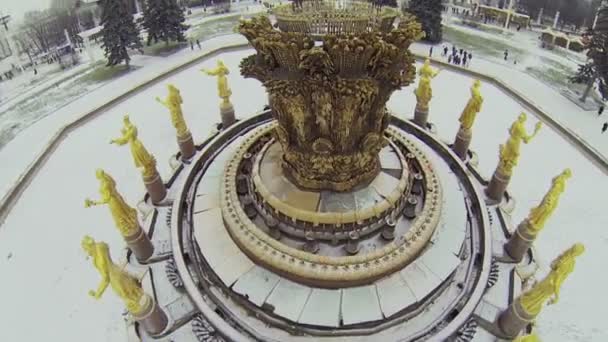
point(429, 16)
point(583, 74)
point(597, 67)
point(164, 20)
point(119, 32)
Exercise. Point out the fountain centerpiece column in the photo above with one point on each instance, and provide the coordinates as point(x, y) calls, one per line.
point(328, 85)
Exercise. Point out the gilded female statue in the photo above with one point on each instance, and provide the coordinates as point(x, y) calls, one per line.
point(472, 108)
point(123, 284)
point(222, 82)
point(533, 300)
point(427, 70)
point(548, 289)
point(564, 265)
point(125, 217)
point(538, 216)
point(424, 93)
point(509, 152)
point(143, 159)
point(173, 102)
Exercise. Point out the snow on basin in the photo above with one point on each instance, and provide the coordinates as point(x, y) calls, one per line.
point(45, 273)
point(580, 216)
point(43, 268)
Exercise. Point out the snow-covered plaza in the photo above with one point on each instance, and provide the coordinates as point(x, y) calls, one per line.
point(46, 275)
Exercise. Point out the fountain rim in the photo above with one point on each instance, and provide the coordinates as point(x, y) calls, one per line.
point(210, 151)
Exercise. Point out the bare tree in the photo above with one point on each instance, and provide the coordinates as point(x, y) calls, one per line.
point(45, 29)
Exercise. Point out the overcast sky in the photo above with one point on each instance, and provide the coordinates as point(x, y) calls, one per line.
point(16, 8)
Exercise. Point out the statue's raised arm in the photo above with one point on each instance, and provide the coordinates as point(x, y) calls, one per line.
point(164, 103)
point(537, 128)
point(127, 132)
point(122, 140)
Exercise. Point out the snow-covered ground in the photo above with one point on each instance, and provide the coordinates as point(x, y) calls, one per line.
point(44, 272)
point(580, 216)
point(28, 98)
point(28, 144)
point(585, 124)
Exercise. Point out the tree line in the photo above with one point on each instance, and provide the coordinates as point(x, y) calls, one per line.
point(42, 30)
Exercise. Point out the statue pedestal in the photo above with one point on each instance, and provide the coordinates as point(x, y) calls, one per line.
point(520, 242)
point(421, 116)
point(186, 146)
point(498, 185)
point(140, 245)
point(462, 143)
point(514, 319)
point(151, 317)
point(227, 114)
point(156, 188)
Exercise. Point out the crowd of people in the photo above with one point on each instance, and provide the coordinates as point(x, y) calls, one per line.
point(456, 56)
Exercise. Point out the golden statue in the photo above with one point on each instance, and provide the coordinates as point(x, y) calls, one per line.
point(564, 265)
point(124, 285)
point(424, 93)
point(538, 216)
point(143, 159)
point(173, 102)
point(427, 70)
point(222, 82)
point(548, 289)
point(125, 217)
point(509, 152)
point(527, 338)
point(472, 108)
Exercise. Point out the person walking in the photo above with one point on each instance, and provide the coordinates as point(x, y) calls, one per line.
point(470, 57)
point(600, 110)
point(506, 54)
point(450, 59)
point(431, 52)
point(604, 127)
point(198, 44)
point(445, 50)
point(464, 59)
point(191, 46)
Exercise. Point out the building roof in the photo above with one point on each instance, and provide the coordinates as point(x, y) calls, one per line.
point(90, 32)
